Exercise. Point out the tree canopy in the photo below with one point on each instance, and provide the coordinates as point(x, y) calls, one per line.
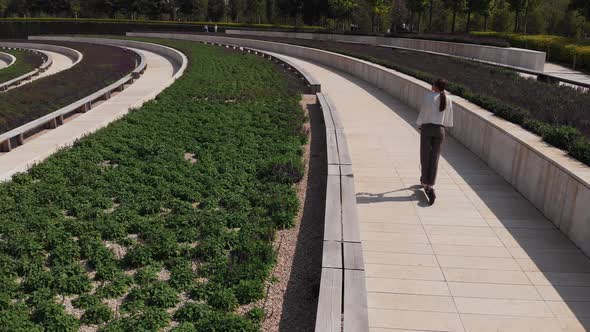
point(565, 17)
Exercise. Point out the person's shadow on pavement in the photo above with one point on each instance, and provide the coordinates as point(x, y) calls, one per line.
point(417, 195)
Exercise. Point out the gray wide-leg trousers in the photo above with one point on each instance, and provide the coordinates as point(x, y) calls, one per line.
point(431, 138)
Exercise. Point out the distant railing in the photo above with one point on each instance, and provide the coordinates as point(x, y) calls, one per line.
point(16, 137)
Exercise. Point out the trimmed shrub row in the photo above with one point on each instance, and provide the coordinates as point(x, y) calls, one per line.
point(173, 206)
point(23, 27)
point(572, 52)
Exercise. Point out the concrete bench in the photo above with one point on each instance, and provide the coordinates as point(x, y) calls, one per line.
point(342, 250)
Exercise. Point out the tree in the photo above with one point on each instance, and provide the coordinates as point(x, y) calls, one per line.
point(488, 11)
point(529, 6)
point(416, 6)
point(583, 6)
point(235, 9)
point(474, 6)
point(455, 6)
point(215, 10)
point(75, 7)
point(3, 7)
point(517, 7)
point(378, 8)
point(342, 10)
point(430, 15)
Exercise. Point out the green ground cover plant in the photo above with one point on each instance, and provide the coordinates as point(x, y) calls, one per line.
point(101, 66)
point(26, 62)
point(559, 114)
point(169, 213)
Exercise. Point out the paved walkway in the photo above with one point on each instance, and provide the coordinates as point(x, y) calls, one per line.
point(60, 63)
point(481, 259)
point(3, 63)
point(41, 146)
point(568, 73)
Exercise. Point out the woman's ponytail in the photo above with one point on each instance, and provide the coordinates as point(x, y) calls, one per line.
point(441, 85)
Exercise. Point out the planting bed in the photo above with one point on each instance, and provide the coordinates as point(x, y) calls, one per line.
point(556, 113)
point(100, 66)
point(26, 62)
point(164, 219)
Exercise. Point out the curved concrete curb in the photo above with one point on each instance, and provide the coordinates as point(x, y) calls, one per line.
point(516, 57)
point(55, 119)
point(75, 55)
point(342, 303)
point(47, 62)
point(554, 183)
point(8, 58)
point(343, 292)
point(181, 60)
point(147, 88)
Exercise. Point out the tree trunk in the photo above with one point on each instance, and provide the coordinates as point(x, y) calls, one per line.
point(516, 14)
point(526, 16)
point(468, 21)
point(485, 23)
point(412, 21)
point(454, 17)
point(430, 16)
point(419, 21)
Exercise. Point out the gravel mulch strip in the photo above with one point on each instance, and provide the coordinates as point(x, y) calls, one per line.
point(291, 300)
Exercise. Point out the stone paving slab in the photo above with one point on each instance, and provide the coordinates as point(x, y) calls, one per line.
point(481, 259)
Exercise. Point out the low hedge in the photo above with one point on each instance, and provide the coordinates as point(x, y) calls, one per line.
point(573, 52)
point(23, 27)
point(456, 38)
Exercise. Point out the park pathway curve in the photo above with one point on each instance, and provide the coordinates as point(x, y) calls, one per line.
point(481, 259)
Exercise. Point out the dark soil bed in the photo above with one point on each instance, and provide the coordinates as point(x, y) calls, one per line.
point(101, 66)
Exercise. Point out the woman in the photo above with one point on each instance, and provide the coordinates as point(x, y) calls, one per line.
point(436, 113)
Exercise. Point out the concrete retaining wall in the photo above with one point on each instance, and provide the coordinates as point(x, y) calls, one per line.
point(556, 184)
point(167, 52)
point(70, 53)
point(8, 58)
point(510, 56)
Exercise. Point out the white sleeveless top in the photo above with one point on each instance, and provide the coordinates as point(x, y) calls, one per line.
point(430, 112)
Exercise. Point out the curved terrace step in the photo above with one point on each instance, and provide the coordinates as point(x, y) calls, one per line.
point(6, 60)
point(56, 59)
point(484, 258)
point(163, 68)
